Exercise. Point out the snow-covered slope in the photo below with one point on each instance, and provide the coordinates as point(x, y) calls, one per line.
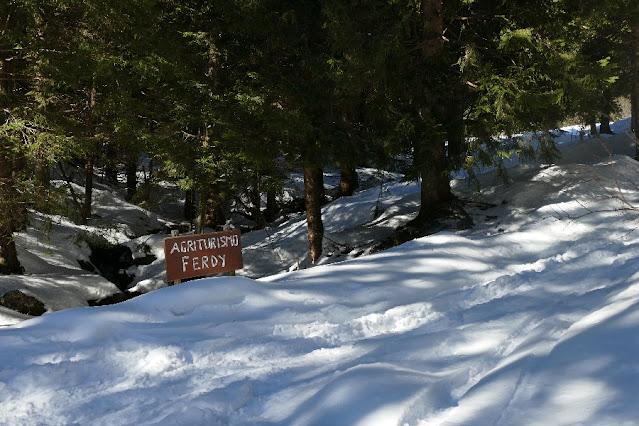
point(531, 317)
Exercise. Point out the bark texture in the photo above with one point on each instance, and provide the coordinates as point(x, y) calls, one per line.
point(42, 184)
point(348, 181)
point(9, 208)
point(189, 204)
point(313, 194)
point(88, 187)
point(90, 160)
point(430, 152)
point(604, 128)
point(270, 214)
point(210, 212)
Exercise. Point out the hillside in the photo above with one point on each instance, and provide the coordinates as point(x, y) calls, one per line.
point(528, 317)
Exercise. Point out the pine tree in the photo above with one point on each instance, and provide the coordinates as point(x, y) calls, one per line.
point(15, 131)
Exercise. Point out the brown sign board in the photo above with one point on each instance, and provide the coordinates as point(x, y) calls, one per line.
point(189, 256)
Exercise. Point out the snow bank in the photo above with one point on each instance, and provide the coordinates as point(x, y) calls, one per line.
point(528, 318)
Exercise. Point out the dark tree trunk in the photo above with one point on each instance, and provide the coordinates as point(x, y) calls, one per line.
point(435, 187)
point(90, 160)
point(313, 195)
point(634, 103)
point(348, 181)
point(21, 215)
point(42, 175)
point(202, 212)
point(455, 133)
point(88, 187)
point(593, 128)
point(131, 176)
point(209, 212)
point(9, 208)
point(270, 214)
point(9, 263)
point(604, 128)
point(42, 183)
point(255, 195)
point(111, 164)
point(189, 204)
point(433, 22)
point(430, 151)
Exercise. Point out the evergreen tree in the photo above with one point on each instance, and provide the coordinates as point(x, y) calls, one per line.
point(18, 129)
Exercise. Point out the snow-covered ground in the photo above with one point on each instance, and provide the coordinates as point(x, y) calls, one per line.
point(530, 317)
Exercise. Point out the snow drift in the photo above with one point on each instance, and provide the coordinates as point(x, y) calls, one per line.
point(531, 317)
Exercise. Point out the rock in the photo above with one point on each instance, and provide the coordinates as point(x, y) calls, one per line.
point(23, 303)
point(112, 262)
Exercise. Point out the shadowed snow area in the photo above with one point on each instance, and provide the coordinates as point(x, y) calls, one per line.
point(531, 317)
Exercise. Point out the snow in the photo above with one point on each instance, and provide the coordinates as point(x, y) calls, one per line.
point(530, 317)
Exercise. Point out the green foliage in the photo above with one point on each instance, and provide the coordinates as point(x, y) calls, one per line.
point(224, 91)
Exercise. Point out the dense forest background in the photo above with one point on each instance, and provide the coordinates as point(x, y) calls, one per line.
point(224, 97)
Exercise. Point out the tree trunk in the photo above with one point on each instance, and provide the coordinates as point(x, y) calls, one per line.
point(435, 187)
point(348, 181)
point(88, 187)
point(90, 160)
point(149, 176)
point(42, 175)
point(21, 215)
point(9, 207)
point(189, 204)
point(455, 132)
point(42, 184)
point(604, 128)
point(634, 100)
point(111, 164)
point(433, 22)
point(313, 194)
point(131, 176)
point(270, 214)
point(210, 212)
point(255, 194)
point(200, 218)
point(430, 151)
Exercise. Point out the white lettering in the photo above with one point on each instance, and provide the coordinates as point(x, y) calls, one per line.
point(184, 263)
point(196, 265)
point(213, 262)
point(211, 243)
point(183, 247)
point(191, 245)
point(205, 262)
point(223, 259)
point(174, 248)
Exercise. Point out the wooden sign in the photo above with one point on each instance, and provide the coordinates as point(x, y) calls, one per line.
point(189, 256)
